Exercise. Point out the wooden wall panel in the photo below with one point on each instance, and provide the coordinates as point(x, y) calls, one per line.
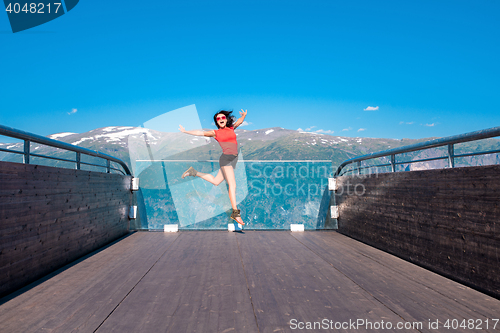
point(446, 220)
point(50, 217)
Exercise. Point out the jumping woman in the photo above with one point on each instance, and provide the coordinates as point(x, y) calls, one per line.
point(227, 139)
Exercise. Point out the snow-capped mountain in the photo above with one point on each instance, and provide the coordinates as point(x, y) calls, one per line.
point(137, 143)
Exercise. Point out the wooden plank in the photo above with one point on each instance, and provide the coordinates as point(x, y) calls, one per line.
point(81, 296)
point(56, 237)
point(41, 203)
point(60, 175)
point(199, 286)
point(18, 214)
point(288, 281)
point(442, 219)
point(69, 186)
point(28, 264)
point(59, 219)
point(412, 292)
point(65, 196)
point(229, 282)
point(24, 183)
point(42, 170)
point(406, 269)
point(53, 191)
point(61, 215)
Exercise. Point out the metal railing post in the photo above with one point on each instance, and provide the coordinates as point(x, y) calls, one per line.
point(393, 163)
point(26, 159)
point(358, 167)
point(108, 166)
point(78, 161)
point(451, 157)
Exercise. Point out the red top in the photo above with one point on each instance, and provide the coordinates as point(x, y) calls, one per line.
point(227, 140)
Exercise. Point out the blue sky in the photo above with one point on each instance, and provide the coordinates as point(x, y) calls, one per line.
point(427, 68)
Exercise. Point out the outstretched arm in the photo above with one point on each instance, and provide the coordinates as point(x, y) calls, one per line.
point(197, 132)
point(243, 114)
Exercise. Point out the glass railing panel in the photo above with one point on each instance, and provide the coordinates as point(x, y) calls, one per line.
point(11, 144)
point(476, 147)
point(432, 158)
point(51, 156)
point(92, 163)
point(270, 194)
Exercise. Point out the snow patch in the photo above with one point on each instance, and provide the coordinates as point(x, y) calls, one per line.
point(118, 136)
point(109, 129)
point(269, 131)
point(60, 135)
point(76, 143)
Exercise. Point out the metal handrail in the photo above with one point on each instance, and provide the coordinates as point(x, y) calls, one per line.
point(29, 137)
point(448, 141)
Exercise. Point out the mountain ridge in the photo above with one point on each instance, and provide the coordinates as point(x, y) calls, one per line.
point(276, 143)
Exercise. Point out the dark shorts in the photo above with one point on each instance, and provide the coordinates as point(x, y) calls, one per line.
point(226, 160)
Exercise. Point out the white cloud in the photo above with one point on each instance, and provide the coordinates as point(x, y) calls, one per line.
point(73, 111)
point(310, 128)
point(371, 108)
point(347, 129)
point(325, 131)
point(430, 125)
point(245, 123)
point(362, 129)
point(406, 122)
point(300, 129)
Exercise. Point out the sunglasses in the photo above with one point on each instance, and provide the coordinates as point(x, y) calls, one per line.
point(221, 117)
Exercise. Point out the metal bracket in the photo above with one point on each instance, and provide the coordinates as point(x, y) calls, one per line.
point(78, 161)
point(132, 214)
point(332, 184)
point(135, 184)
point(170, 228)
point(296, 227)
point(334, 212)
point(26, 159)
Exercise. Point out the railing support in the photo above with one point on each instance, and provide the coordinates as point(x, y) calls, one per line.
point(334, 209)
point(393, 163)
point(30, 137)
point(448, 141)
point(26, 159)
point(451, 157)
point(78, 161)
point(108, 166)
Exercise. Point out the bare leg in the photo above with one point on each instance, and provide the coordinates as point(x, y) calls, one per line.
point(211, 179)
point(231, 182)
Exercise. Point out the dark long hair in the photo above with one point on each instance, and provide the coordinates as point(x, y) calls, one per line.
point(230, 119)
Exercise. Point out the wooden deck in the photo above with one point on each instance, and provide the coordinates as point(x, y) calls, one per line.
point(256, 281)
